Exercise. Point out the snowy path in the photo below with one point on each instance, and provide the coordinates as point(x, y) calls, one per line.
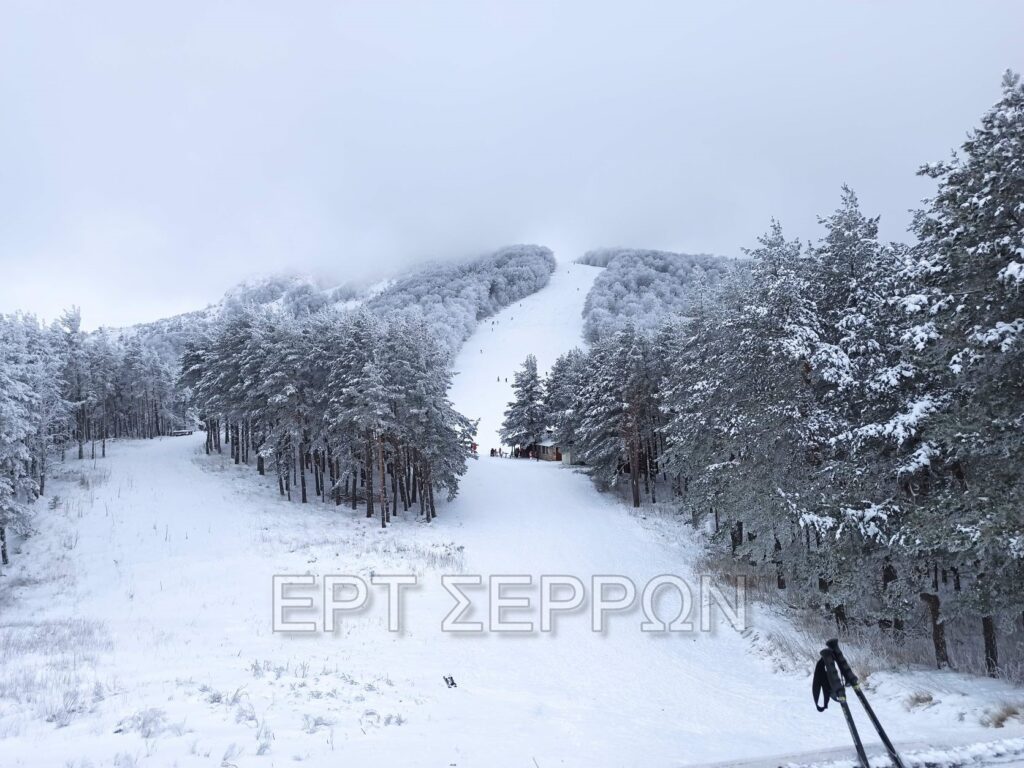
point(174, 552)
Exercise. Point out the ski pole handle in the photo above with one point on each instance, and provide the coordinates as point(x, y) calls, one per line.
point(834, 683)
point(844, 665)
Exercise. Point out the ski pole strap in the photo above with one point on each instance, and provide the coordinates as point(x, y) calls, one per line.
point(820, 685)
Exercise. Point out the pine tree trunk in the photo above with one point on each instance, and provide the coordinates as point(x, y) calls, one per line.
point(302, 472)
point(333, 474)
point(402, 487)
point(634, 470)
point(840, 615)
point(938, 629)
point(394, 488)
point(652, 465)
point(988, 628)
point(355, 489)
point(384, 513)
point(3, 546)
point(368, 478)
point(337, 480)
point(317, 479)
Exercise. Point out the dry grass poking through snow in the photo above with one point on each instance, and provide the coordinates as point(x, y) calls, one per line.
point(48, 666)
point(48, 671)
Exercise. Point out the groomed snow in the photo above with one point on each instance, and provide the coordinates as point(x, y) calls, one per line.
point(165, 563)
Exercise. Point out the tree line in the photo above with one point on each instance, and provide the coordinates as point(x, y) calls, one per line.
point(64, 391)
point(341, 407)
point(845, 417)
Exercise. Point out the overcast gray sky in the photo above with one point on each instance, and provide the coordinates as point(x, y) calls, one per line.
point(153, 155)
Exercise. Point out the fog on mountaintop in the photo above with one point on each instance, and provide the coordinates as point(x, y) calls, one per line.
point(153, 157)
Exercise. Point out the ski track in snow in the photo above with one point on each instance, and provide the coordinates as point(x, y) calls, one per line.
point(174, 554)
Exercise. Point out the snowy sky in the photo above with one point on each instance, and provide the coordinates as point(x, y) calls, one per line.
point(153, 155)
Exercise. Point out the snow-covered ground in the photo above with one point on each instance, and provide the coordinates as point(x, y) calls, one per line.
point(139, 632)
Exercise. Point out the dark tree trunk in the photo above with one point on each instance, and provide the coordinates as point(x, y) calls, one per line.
point(634, 477)
point(384, 513)
point(736, 535)
point(840, 613)
point(988, 628)
point(332, 474)
point(355, 489)
point(394, 490)
point(780, 576)
point(317, 480)
point(368, 479)
point(938, 629)
point(3, 547)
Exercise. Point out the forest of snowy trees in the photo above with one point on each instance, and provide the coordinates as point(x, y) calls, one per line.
point(449, 299)
point(642, 287)
point(338, 401)
point(64, 392)
point(846, 417)
point(356, 400)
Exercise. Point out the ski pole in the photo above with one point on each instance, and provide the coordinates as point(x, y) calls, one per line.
point(838, 692)
point(853, 682)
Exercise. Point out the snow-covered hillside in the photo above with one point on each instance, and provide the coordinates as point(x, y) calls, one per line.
point(146, 639)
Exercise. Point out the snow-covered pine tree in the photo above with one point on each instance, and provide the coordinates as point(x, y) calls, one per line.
point(972, 250)
point(526, 418)
point(605, 405)
point(867, 390)
point(562, 387)
point(17, 400)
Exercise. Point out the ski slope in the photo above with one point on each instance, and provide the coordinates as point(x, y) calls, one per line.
point(545, 324)
point(148, 640)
